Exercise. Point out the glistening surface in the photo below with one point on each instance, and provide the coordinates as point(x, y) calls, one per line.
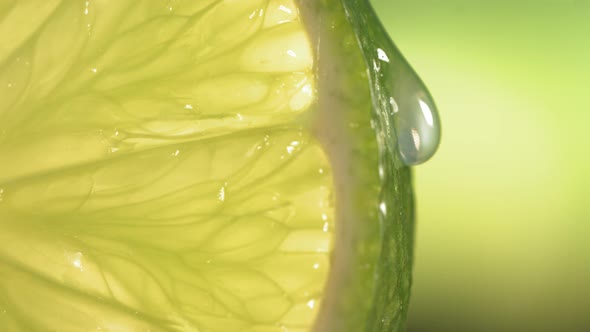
point(156, 172)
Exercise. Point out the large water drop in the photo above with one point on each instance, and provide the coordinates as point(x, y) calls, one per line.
point(405, 111)
point(415, 117)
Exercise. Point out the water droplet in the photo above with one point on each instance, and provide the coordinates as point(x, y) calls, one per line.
point(417, 125)
point(285, 9)
point(76, 260)
point(86, 5)
point(383, 208)
point(404, 105)
point(382, 55)
point(414, 114)
point(291, 147)
point(221, 194)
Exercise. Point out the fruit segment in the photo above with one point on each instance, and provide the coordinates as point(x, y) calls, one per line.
point(158, 170)
point(204, 166)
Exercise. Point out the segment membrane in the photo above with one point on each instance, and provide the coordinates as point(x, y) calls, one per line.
point(155, 170)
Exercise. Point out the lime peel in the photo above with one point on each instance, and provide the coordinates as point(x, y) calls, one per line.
point(198, 166)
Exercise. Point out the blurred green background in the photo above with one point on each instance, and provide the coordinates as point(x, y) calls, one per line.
point(504, 207)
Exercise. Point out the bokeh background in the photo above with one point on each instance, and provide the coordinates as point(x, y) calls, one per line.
point(503, 240)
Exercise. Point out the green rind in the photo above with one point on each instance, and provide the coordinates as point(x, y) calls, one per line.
point(377, 292)
point(394, 268)
point(374, 294)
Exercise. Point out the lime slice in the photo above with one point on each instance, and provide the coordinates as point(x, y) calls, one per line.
point(211, 165)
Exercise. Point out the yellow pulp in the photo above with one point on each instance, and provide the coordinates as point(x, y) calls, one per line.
point(157, 172)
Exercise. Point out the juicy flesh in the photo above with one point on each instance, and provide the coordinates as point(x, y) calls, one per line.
point(157, 171)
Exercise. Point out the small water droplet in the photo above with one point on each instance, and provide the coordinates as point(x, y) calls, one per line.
point(383, 208)
point(382, 55)
point(381, 172)
point(285, 9)
point(394, 106)
point(86, 5)
point(221, 194)
point(76, 260)
point(291, 147)
point(292, 53)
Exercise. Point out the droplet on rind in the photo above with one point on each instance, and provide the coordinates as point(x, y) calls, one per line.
point(405, 111)
point(416, 120)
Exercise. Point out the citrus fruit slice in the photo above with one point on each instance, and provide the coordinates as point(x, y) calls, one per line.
point(211, 165)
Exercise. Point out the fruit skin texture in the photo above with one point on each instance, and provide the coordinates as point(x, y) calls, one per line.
point(394, 267)
point(374, 294)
